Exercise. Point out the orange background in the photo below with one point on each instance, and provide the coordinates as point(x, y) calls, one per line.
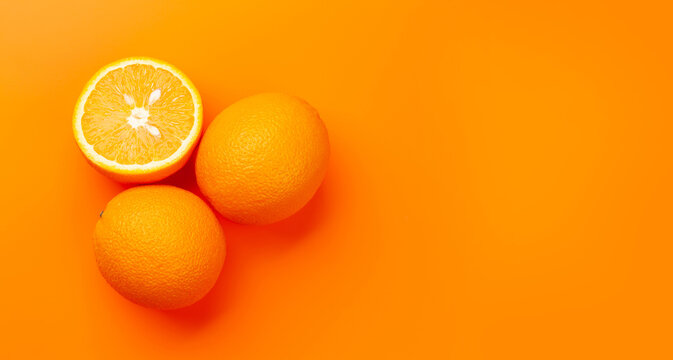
point(500, 183)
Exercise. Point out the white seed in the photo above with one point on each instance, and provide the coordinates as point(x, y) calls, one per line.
point(153, 130)
point(129, 99)
point(154, 96)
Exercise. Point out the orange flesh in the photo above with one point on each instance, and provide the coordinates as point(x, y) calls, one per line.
point(125, 136)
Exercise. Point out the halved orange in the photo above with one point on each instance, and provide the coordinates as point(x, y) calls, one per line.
point(138, 120)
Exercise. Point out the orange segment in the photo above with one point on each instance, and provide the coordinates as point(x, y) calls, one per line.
point(138, 114)
point(138, 119)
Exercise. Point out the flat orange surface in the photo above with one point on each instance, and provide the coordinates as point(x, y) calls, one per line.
point(500, 187)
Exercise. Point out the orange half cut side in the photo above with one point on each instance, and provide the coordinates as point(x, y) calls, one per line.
point(138, 120)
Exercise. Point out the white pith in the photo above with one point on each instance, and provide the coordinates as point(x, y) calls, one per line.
point(138, 118)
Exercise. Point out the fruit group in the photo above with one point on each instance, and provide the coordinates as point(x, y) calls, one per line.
point(159, 246)
point(263, 158)
point(138, 119)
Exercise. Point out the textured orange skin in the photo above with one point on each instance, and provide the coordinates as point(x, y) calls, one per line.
point(159, 246)
point(263, 158)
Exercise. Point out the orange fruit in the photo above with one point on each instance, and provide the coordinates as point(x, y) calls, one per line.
point(263, 158)
point(159, 246)
point(138, 119)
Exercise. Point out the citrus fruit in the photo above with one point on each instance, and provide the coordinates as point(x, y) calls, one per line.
point(159, 246)
point(138, 119)
point(263, 158)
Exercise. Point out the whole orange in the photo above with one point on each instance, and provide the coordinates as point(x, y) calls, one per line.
point(159, 246)
point(263, 158)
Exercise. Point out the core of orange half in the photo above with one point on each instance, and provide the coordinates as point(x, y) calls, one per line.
point(138, 120)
